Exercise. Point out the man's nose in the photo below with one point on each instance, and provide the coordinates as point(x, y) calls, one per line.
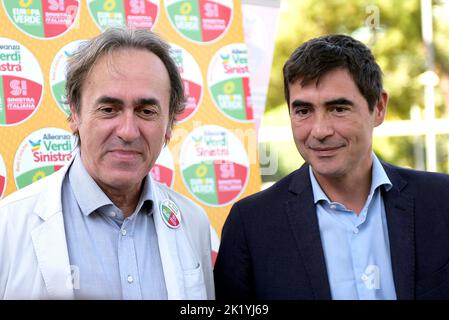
point(128, 128)
point(322, 127)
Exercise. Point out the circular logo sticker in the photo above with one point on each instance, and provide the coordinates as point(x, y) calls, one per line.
point(58, 72)
point(163, 170)
point(2, 177)
point(170, 213)
point(21, 82)
point(42, 153)
point(228, 82)
point(191, 76)
point(42, 19)
point(200, 20)
point(214, 165)
point(131, 13)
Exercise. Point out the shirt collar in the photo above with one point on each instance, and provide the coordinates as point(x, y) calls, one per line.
point(379, 178)
point(146, 196)
point(318, 193)
point(89, 195)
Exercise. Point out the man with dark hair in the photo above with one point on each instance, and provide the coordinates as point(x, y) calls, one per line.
point(101, 227)
point(345, 225)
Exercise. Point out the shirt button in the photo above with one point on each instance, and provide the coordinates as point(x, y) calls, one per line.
point(112, 214)
point(130, 279)
point(355, 230)
point(333, 206)
point(124, 232)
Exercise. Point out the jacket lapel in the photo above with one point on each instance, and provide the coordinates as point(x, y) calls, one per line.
point(303, 220)
point(49, 241)
point(173, 248)
point(173, 274)
point(399, 208)
point(52, 257)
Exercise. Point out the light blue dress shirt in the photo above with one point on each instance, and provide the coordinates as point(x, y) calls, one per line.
point(356, 247)
point(111, 257)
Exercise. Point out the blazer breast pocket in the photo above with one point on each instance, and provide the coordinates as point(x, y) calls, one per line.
point(435, 285)
point(194, 283)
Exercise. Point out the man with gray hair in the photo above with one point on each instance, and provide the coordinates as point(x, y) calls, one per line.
point(101, 227)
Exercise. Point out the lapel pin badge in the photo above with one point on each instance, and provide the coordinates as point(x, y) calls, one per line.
point(170, 213)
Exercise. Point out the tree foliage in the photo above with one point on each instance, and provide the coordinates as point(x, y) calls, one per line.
point(392, 29)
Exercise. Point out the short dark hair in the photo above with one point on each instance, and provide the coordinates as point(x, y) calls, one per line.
point(318, 56)
point(116, 38)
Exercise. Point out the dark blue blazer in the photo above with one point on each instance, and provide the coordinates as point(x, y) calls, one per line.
point(271, 246)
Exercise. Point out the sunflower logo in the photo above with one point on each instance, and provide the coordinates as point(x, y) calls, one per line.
point(185, 8)
point(229, 87)
point(201, 171)
point(38, 175)
point(25, 3)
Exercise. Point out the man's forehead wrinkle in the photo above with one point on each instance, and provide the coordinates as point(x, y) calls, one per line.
point(111, 65)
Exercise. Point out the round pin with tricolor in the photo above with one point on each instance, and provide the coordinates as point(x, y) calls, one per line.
point(170, 213)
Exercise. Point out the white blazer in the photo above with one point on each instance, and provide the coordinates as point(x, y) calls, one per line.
point(34, 261)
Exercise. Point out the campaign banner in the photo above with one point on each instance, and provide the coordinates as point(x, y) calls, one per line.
point(2, 177)
point(163, 170)
point(214, 165)
point(200, 21)
point(43, 19)
point(259, 21)
point(21, 82)
point(130, 13)
point(228, 82)
point(205, 160)
point(58, 71)
point(41, 153)
point(192, 79)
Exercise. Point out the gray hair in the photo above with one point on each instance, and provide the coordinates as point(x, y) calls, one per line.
point(80, 64)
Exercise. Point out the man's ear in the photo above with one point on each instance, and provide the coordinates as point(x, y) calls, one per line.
point(380, 109)
point(74, 118)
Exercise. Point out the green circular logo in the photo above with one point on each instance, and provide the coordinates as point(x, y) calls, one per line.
point(214, 165)
point(57, 74)
point(43, 19)
point(131, 13)
point(192, 79)
point(200, 21)
point(42, 153)
point(228, 82)
point(21, 83)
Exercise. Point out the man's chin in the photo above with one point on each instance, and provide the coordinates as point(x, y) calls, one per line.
point(327, 171)
point(123, 180)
